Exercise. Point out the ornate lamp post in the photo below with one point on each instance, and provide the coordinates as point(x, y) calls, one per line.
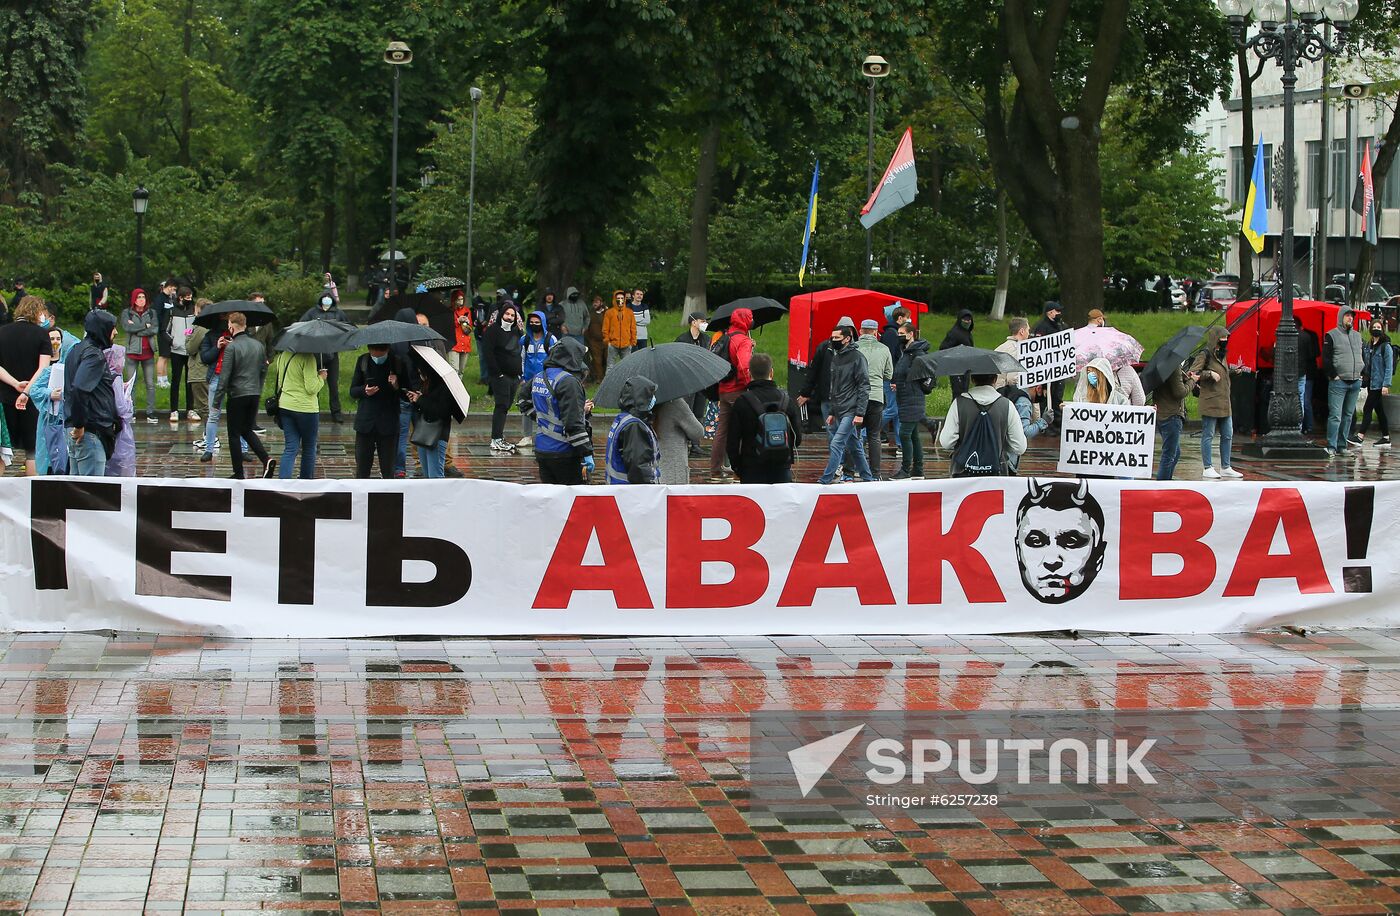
point(1290, 32)
point(396, 55)
point(874, 68)
point(140, 198)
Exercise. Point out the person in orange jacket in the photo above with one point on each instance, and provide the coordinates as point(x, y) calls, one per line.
point(619, 328)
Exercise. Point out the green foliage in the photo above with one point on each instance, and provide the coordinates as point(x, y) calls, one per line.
point(289, 297)
point(41, 93)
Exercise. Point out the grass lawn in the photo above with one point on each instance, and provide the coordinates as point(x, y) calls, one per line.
point(1151, 328)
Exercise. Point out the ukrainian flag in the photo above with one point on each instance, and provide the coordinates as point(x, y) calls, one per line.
point(1256, 206)
point(811, 225)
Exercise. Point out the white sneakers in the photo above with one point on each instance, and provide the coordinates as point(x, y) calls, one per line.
point(501, 445)
point(1222, 474)
point(1231, 474)
point(1210, 474)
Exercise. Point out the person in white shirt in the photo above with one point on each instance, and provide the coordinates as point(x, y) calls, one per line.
point(643, 313)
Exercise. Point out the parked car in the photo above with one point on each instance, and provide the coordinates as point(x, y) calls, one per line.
point(1216, 297)
point(1376, 296)
point(1257, 291)
point(1336, 293)
point(1178, 297)
point(1232, 279)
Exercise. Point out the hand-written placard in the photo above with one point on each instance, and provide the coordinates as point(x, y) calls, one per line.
point(1047, 359)
point(1114, 440)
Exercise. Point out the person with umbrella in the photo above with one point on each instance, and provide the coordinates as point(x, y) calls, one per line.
point(632, 453)
point(327, 308)
point(736, 346)
point(959, 335)
point(694, 334)
point(300, 378)
point(557, 403)
point(849, 393)
point(376, 389)
point(1211, 368)
point(434, 409)
point(211, 353)
point(1170, 398)
point(241, 383)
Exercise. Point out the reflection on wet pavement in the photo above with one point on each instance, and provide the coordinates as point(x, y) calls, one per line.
point(155, 774)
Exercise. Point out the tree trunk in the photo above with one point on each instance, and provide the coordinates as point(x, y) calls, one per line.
point(186, 108)
point(561, 250)
point(1247, 145)
point(1079, 261)
point(1003, 260)
point(353, 265)
point(1385, 158)
point(700, 219)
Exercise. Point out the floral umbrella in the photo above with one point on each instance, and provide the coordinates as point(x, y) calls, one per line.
point(1110, 343)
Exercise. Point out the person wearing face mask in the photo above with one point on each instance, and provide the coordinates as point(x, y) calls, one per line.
point(46, 394)
point(909, 397)
point(501, 351)
point(89, 401)
point(535, 345)
point(1098, 384)
point(849, 395)
point(1379, 360)
point(619, 329)
point(375, 388)
point(1213, 372)
point(959, 335)
point(1342, 359)
point(179, 323)
point(139, 322)
point(695, 327)
point(327, 308)
point(97, 295)
point(632, 455)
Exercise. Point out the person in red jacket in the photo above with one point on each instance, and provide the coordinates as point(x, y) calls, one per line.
point(740, 352)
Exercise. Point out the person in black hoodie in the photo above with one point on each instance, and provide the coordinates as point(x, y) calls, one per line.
point(553, 312)
point(909, 398)
point(89, 401)
point(375, 385)
point(500, 351)
point(1051, 323)
point(959, 335)
point(760, 397)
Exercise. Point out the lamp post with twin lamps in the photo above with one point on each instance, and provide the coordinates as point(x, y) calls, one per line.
point(1290, 32)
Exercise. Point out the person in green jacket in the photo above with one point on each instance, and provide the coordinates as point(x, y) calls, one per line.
point(299, 384)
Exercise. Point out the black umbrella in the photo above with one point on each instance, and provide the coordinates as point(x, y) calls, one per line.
point(961, 360)
point(442, 283)
point(385, 333)
point(439, 312)
point(678, 370)
point(324, 335)
point(765, 311)
point(216, 315)
point(1170, 356)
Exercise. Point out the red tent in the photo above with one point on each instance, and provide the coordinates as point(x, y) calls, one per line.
point(1252, 340)
point(813, 315)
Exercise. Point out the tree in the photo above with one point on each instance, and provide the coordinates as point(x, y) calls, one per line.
point(1060, 61)
point(41, 93)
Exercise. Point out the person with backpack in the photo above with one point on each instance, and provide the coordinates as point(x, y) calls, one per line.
point(1379, 360)
point(632, 453)
point(983, 431)
point(736, 346)
point(766, 429)
point(849, 398)
point(909, 397)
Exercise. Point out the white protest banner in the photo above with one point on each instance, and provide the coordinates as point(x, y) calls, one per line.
point(1110, 439)
point(338, 558)
point(1047, 359)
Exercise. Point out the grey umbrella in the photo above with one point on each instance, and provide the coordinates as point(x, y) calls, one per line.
point(324, 335)
point(961, 360)
point(678, 369)
point(1170, 356)
point(384, 333)
point(217, 314)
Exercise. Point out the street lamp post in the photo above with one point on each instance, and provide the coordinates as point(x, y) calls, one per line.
point(397, 54)
point(139, 199)
point(471, 194)
point(1290, 32)
point(874, 68)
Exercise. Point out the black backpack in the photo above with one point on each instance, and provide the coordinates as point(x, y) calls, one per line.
point(981, 438)
point(775, 436)
point(720, 348)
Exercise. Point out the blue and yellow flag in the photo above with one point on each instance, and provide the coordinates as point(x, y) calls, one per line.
point(811, 225)
point(1256, 206)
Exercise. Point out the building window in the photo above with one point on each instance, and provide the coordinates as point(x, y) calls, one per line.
point(1239, 181)
point(1314, 174)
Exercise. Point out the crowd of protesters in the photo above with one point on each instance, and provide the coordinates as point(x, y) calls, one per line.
point(69, 403)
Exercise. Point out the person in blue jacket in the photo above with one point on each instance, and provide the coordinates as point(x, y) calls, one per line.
point(632, 455)
point(535, 345)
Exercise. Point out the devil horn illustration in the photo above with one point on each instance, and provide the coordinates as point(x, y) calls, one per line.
point(1081, 493)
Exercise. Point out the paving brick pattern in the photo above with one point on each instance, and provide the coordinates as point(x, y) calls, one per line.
point(436, 776)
